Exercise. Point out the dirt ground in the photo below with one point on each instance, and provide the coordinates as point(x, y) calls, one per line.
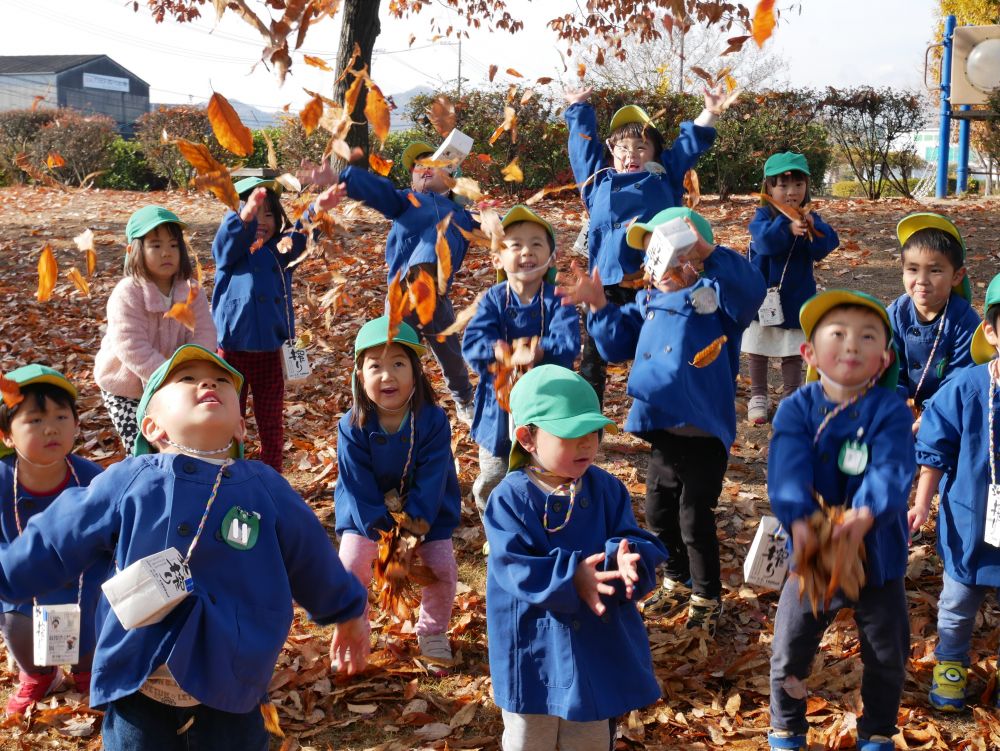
point(715, 691)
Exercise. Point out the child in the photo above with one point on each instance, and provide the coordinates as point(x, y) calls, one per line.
point(252, 299)
point(955, 451)
point(684, 335)
point(395, 441)
point(568, 649)
point(196, 677)
point(38, 432)
point(411, 246)
point(643, 179)
point(933, 322)
point(849, 442)
point(158, 275)
point(523, 304)
point(784, 252)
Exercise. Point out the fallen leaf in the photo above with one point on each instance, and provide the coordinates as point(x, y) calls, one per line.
point(397, 305)
point(229, 130)
point(48, 272)
point(493, 72)
point(354, 90)
point(512, 172)
point(271, 723)
point(12, 395)
point(462, 318)
point(512, 72)
point(692, 188)
point(414, 200)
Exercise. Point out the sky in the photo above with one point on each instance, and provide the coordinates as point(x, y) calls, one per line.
point(824, 42)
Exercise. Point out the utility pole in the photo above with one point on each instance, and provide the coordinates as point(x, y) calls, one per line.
point(459, 65)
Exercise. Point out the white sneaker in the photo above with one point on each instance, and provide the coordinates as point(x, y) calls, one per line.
point(435, 648)
point(757, 410)
point(465, 411)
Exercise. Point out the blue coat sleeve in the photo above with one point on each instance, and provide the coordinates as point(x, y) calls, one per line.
point(376, 191)
point(962, 345)
point(821, 247)
point(622, 523)
point(690, 144)
point(940, 434)
point(790, 493)
point(615, 329)
point(586, 150)
point(482, 334)
point(358, 502)
point(770, 235)
point(899, 343)
point(232, 240)
point(432, 462)
point(561, 343)
point(741, 287)
point(885, 486)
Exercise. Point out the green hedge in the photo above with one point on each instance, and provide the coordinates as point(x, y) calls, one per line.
point(853, 189)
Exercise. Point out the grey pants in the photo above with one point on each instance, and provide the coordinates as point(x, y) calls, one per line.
point(540, 732)
point(448, 352)
point(492, 469)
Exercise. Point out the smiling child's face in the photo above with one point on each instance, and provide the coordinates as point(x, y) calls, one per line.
point(631, 154)
point(525, 254)
point(387, 377)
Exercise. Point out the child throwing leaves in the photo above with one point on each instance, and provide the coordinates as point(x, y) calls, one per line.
point(394, 456)
point(139, 338)
point(568, 648)
point(252, 300)
point(38, 424)
point(250, 544)
point(519, 320)
point(784, 251)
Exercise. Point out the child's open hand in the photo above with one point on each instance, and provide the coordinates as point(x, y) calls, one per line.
point(804, 542)
point(799, 227)
point(349, 646)
point(715, 98)
point(628, 567)
point(857, 522)
point(575, 96)
point(590, 583)
point(701, 250)
point(330, 197)
point(316, 174)
point(254, 201)
point(583, 289)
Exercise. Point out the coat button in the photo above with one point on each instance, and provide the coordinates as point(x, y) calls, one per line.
point(183, 529)
point(379, 439)
point(261, 298)
point(557, 507)
point(646, 355)
point(190, 468)
point(650, 315)
point(576, 625)
point(617, 225)
point(668, 348)
point(584, 503)
point(218, 535)
point(227, 473)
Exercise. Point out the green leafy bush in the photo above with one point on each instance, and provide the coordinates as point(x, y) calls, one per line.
point(190, 123)
point(129, 170)
point(18, 131)
point(83, 141)
point(293, 145)
point(259, 156)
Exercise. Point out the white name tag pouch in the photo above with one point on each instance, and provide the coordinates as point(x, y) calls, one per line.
point(146, 591)
point(766, 564)
point(456, 146)
point(294, 363)
point(56, 630)
point(770, 312)
point(992, 536)
point(667, 244)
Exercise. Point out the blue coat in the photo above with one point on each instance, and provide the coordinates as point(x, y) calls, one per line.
point(914, 339)
point(772, 245)
point(222, 641)
point(663, 332)
point(549, 653)
point(413, 236)
point(954, 438)
point(614, 199)
point(252, 300)
point(499, 319)
point(28, 505)
point(370, 463)
point(796, 468)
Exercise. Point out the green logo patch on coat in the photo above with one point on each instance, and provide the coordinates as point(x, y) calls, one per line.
point(240, 528)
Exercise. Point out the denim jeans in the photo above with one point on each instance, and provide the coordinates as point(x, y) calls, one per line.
point(957, 609)
point(884, 629)
point(138, 723)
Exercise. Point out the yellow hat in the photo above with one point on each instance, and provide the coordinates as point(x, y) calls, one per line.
point(413, 152)
point(630, 113)
point(982, 350)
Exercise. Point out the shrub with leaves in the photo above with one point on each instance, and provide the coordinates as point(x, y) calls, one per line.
point(18, 131)
point(129, 170)
point(76, 147)
point(294, 145)
point(163, 158)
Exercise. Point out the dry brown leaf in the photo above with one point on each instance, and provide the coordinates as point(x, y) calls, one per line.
point(443, 251)
point(707, 356)
point(54, 160)
point(398, 306)
point(354, 90)
point(12, 395)
point(692, 188)
point(310, 114)
point(413, 200)
point(377, 111)
point(763, 21)
point(462, 318)
point(77, 278)
point(422, 297)
point(271, 723)
point(317, 62)
point(229, 130)
point(48, 272)
point(182, 312)
point(441, 113)
point(493, 72)
point(512, 172)
point(379, 164)
point(220, 185)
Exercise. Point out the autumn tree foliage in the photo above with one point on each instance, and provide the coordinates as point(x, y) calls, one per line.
point(162, 156)
point(18, 131)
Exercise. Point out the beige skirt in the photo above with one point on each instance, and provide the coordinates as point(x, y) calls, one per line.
point(772, 341)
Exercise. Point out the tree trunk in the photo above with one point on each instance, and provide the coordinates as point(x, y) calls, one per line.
point(360, 26)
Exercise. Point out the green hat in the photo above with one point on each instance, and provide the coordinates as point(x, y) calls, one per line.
point(638, 231)
point(786, 161)
point(148, 218)
point(558, 401)
point(630, 113)
point(247, 184)
point(521, 213)
point(376, 332)
point(926, 220)
point(413, 152)
point(185, 353)
point(982, 350)
point(817, 306)
point(38, 373)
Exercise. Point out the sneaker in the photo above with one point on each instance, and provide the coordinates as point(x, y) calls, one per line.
point(664, 598)
point(948, 686)
point(704, 613)
point(465, 411)
point(786, 739)
point(757, 410)
point(435, 648)
point(876, 743)
point(32, 688)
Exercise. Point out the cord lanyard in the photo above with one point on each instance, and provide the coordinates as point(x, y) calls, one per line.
point(991, 533)
point(563, 489)
point(208, 507)
point(930, 357)
point(285, 296)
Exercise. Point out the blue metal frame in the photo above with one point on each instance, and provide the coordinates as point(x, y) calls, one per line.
point(944, 132)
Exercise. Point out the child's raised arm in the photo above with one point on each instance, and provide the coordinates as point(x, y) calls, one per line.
point(586, 150)
point(375, 191)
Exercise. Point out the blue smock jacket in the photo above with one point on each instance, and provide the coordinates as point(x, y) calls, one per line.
point(501, 317)
point(222, 641)
point(252, 300)
point(27, 506)
point(370, 463)
point(615, 199)
point(413, 236)
point(954, 437)
point(796, 468)
point(914, 339)
point(663, 332)
point(549, 653)
point(772, 245)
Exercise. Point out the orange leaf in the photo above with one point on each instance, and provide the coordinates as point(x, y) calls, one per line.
point(707, 356)
point(398, 304)
point(581, 70)
point(512, 72)
point(55, 159)
point(763, 21)
point(354, 90)
point(85, 242)
point(493, 71)
point(441, 113)
point(271, 724)
point(220, 184)
point(547, 191)
point(484, 158)
point(543, 80)
point(182, 312)
point(443, 251)
point(414, 200)
point(526, 96)
point(311, 113)
point(512, 172)
point(229, 130)
point(377, 111)
point(422, 296)
point(380, 165)
point(77, 278)
point(48, 271)
point(12, 395)
point(316, 62)
point(509, 123)
point(693, 189)
point(91, 262)
point(39, 98)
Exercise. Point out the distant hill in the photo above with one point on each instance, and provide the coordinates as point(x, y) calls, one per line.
point(251, 116)
point(399, 119)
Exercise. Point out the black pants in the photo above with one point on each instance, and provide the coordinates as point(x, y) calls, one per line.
point(884, 629)
point(593, 367)
point(683, 483)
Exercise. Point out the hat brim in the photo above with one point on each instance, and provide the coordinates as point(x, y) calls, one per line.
point(630, 113)
point(148, 227)
point(570, 427)
point(252, 183)
point(52, 380)
point(413, 152)
point(926, 220)
point(521, 213)
point(819, 305)
point(635, 234)
point(982, 351)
